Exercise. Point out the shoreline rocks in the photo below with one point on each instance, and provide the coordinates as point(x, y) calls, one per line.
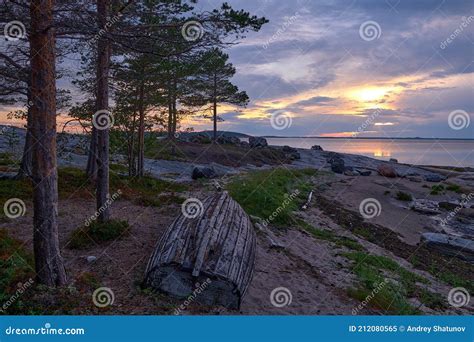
point(257, 142)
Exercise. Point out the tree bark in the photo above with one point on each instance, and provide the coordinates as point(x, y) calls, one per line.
point(141, 132)
point(215, 109)
point(27, 157)
point(103, 66)
point(91, 169)
point(132, 169)
point(48, 261)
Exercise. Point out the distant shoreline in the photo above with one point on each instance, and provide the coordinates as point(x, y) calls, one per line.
point(364, 138)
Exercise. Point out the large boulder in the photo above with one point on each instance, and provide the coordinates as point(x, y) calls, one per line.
point(204, 172)
point(434, 178)
point(387, 171)
point(291, 152)
point(258, 142)
point(337, 165)
point(316, 148)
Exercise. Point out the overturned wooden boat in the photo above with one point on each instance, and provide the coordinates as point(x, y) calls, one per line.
point(208, 253)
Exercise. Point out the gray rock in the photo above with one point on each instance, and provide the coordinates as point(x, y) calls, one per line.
point(258, 142)
point(91, 258)
point(434, 178)
point(204, 172)
point(425, 206)
point(450, 245)
point(414, 179)
point(393, 160)
point(317, 148)
point(351, 173)
point(223, 139)
point(364, 173)
point(337, 165)
point(448, 205)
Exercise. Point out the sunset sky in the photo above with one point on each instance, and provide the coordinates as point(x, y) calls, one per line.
point(311, 63)
point(314, 64)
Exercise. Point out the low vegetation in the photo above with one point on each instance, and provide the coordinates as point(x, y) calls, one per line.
point(16, 269)
point(390, 284)
point(97, 233)
point(272, 194)
point(403, 196)
point(324, 234)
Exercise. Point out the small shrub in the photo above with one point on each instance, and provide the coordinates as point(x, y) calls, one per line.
point(98, 232)
point(403, 196)
point(437, 189)
point(454, 188)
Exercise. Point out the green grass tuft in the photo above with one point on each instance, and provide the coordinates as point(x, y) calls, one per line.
point(273, 193)
point(403, 196)
point(97, 233)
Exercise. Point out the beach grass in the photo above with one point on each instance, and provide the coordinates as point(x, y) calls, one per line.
point(272, 195)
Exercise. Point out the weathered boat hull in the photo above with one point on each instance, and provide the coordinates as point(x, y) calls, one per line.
point(210, 257)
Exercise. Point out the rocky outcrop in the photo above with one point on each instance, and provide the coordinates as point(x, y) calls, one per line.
point(317, 148)
point(450, 245)
point(204, 172)
point(228, 140)
point(258, 142)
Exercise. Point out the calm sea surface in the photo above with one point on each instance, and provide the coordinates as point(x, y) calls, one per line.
point(410, 151)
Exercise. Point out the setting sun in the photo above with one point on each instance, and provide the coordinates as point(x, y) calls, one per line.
point(369, 94)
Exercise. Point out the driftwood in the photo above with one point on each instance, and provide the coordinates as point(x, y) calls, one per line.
point(308, 201)
point(216, 248)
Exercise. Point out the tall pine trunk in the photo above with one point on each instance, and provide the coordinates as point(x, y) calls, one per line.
point(27, 157)
point(141, 132)
point(215, 109)
point(103, 65)
point(91, 169)
point(48, 261)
